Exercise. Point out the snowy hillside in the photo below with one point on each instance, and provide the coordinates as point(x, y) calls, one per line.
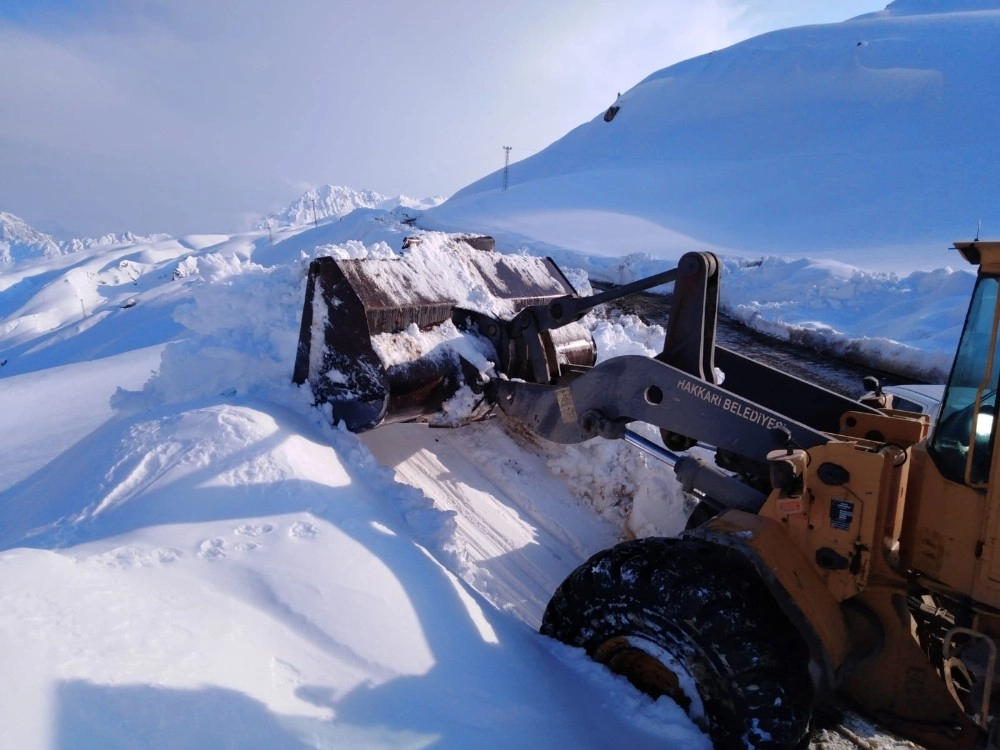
point(336, 201)
point(876, 134)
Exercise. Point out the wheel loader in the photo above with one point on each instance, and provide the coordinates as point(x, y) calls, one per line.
point(840, 549)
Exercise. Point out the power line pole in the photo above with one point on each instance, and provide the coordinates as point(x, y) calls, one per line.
point(506, 165)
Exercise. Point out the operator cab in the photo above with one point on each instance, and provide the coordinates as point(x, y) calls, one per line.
point(961, 444)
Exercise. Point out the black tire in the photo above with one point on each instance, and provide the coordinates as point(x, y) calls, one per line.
point(673, 612)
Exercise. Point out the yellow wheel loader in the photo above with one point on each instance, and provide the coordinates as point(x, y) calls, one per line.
point(840, 548)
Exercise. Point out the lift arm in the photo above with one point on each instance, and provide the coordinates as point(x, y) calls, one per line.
point(604, 399)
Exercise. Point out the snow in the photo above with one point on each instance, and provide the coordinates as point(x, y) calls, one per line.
point(194, 557)
point(19, 240)
point(186, 538)
point(336, 201)
point(860, 141)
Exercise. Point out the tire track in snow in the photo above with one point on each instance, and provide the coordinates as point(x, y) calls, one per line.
point(520, 531)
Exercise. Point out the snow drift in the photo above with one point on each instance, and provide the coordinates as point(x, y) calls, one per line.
point(875, 134)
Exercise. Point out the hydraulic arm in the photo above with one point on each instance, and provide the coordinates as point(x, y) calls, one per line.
point(757, 410)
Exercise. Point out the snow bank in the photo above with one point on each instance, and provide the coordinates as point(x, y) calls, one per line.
point(905, 324)
point(207, 554)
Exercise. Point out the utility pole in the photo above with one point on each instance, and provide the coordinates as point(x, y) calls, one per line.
point(506, 165)
point(315, 216)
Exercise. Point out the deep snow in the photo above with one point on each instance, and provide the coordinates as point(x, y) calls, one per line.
point(193, 557)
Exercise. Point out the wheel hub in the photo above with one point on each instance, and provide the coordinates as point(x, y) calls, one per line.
point(651, 669)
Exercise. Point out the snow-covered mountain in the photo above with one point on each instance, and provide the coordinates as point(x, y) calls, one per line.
point(20, 241)
point(107, 240)
point(878, 132)
point(336, 201)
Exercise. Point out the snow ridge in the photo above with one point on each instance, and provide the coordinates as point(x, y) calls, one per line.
point(336, 201)
point(109, 240)
point(19, 241)
point(929, 7)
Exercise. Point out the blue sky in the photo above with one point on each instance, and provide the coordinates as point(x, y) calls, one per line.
point(187, 116)
point(43, 12)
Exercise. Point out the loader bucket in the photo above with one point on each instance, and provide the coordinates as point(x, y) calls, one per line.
point(356, 312)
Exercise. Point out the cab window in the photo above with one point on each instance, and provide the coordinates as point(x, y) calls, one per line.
point(962, 442)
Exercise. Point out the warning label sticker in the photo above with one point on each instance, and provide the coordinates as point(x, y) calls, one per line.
point(841, 514)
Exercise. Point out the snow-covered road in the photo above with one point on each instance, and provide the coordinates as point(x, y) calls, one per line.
point(520, 531)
